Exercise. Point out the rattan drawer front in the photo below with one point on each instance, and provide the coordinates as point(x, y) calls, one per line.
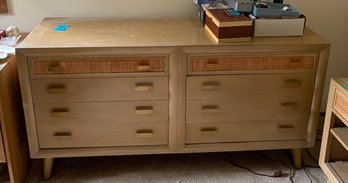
point(101, 135)
point(245, 86)
point(247, 109)
point(251, 63)
point(341, 104)
point(90, 65)
point(101, 112)
point(242, 131)
point(99, 89)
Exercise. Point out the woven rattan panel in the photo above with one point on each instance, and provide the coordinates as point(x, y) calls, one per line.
point(341, 103)
point(98, 65)
point(251, 63)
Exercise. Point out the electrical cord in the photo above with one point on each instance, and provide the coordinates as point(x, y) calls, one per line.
point(276, 174)
point(310, 154)
point(291, 171)
point(312, 157)
point(279, 173)
point(307, 172)
point(310, 166)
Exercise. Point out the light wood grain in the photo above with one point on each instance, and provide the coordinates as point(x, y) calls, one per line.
point(2, 150)
point(247, 86)
point(234, 131)
point(341, 169)
point(247, 109)
point(47, 169)
point(173, 115)
point(138, 33)
point(182, 94)
point(341, 135)
point(334, 150)
point(99, 89)
point(102, 113)
point(77, 135)
point(298, 80)
point(297, 157)
point(12, 123)
point(323, 58)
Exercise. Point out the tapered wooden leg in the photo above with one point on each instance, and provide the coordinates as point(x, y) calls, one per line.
point(47, 169)
point(297, 157)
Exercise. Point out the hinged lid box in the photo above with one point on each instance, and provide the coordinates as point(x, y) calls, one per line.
point(226, 28)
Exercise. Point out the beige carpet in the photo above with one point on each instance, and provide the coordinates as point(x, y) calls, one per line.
point(183, 168)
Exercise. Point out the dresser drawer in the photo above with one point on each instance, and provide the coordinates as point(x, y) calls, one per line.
point(243, 131)
point(97, 65)
point(99, 135)
point(244, 63)
point(99, 89)
point(244, 86)
point(99, 113)
point(247, 109)
point(340, 104)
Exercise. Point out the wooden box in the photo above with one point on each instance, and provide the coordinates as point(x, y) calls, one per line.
point(223, 27)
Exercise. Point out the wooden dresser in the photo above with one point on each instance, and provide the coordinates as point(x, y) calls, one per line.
point(128, 86)
point(334, 148)
point(14, 151)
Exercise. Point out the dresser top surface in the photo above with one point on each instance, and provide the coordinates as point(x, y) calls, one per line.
point(343, 82)
point(113, 32)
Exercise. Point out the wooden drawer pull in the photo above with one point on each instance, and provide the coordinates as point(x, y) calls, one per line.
point(57, 113)
point(56, 89)
point(55, 68)
point(286, 128)
point(210, 109)
point(143, 110)
point(62, 135)
point(289, 103)
point(295, 63)
point(208, 131)
point(146, 133)
point(292, 83)
point(143, 66)
point(211, 85)
point(143, 87)
point(212, 63)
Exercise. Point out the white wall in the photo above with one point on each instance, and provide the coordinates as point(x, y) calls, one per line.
point(25, 14)
point(329, 18)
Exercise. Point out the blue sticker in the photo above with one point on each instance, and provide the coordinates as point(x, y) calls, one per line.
point(61, 27)
point(345, 85)
point(233, 12)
